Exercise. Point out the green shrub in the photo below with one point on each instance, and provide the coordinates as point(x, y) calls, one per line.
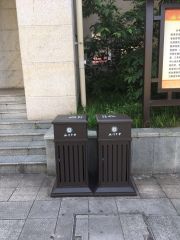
point(122, 35)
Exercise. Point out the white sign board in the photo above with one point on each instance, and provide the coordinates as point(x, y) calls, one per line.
point(171, 50)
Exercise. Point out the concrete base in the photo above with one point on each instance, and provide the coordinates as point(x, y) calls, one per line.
point(153, 150)
point(124, 190)
point(128, 190)
point(70, 191)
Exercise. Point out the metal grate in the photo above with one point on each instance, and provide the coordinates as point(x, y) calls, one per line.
point(114, 162)
point(71, 163)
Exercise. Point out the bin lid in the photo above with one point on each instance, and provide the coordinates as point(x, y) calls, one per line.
point(108, 118)
point(70, 119)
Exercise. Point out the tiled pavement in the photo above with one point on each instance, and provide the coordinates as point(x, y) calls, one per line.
point(28, 213)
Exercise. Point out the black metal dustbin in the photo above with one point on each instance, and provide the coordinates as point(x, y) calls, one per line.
point(70, 136)
point(114, 155)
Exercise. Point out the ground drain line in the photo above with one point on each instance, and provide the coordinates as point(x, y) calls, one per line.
point(74, 237)
point(151, 235)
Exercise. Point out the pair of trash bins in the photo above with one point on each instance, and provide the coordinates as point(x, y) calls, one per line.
point(93, 165)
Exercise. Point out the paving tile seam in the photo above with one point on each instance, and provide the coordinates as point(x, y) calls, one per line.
point(176, 176)
point(97, 214)
point(29, 212)
point(157, 198)
point(73, 235)
point(57, 218)
point(25, 188)
point(161, 188)
point(11, 194)
point(14, 201)
point(12, 219)
point(18, 186)
point(48, 200)
point(148, 215)
point(119, 218)
point(137, 190)
point(153, 198)
point(118, 214)
point(72, 215)
point(149, 228)
point(178, 214)
point(42, 218)
point(166, 194)
point(88, 221)
point(22, 228)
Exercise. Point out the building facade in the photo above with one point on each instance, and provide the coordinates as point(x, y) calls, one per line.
point(37, 49)
point(38, 53)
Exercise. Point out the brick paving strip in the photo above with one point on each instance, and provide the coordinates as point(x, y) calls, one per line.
point(27, 212)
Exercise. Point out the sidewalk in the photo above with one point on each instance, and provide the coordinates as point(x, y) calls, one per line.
point(28, 213)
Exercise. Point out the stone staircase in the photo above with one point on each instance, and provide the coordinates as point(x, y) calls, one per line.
point(22, 146)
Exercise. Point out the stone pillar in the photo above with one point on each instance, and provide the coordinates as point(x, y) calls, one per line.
point(10, 61)
point(46, 33)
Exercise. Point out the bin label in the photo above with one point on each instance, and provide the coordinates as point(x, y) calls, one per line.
point(108, 116)
point(115, 131)
point(76, 117)
point(70, 132)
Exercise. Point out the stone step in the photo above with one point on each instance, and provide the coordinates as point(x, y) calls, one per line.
point(10, 99)
point(12, 111)
point(29, 137)
point(12, 106)
point(12, 91)
point(22, 144)
point(24, 124)
point(22, 148)
point(23, 164)
point(22, 135)
point(14, 115)
point(22, 131)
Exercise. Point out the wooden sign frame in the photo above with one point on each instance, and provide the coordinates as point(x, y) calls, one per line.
point(148, 102)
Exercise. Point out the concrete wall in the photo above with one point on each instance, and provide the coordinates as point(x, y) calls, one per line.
point(156, 150)
point(10, 61)
point(153, 150)
point(46, 34)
